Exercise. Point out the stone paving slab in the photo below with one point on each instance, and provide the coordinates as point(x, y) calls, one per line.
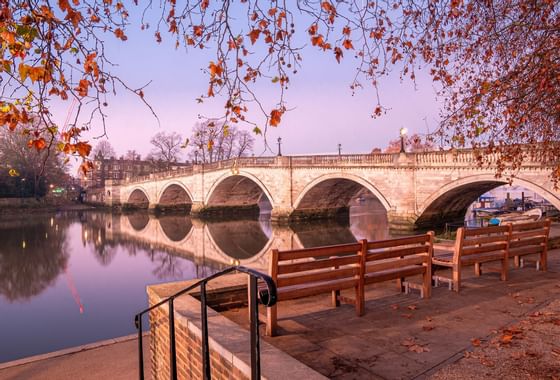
point(113, 359)
point(402, 336)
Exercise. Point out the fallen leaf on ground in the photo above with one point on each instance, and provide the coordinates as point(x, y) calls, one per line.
point(475, 342)
point(412, 307)
point(414, 346)
point(487, 362)
point(506, 338)
point(406, 316)
point(518, 355)
point(555, 351)
point(427, 328)
point(394, 307)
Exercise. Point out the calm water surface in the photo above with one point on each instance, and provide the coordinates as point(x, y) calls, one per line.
point(73, 278)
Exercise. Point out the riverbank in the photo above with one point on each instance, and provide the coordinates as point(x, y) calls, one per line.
point(12, 206)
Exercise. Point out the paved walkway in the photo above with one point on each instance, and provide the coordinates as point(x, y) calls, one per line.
point(402, 336)
point(113, 359)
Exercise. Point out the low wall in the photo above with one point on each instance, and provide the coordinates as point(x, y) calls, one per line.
point(229, 344)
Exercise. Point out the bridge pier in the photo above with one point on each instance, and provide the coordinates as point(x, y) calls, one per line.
point(199, 210)
point(401, 223)
point(320, 214)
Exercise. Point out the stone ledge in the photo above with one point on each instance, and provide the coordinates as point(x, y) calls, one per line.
point(226, 338)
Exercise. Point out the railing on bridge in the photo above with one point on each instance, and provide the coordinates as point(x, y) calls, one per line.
point(455, 157)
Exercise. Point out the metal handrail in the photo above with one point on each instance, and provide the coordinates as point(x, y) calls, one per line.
point(267, 296)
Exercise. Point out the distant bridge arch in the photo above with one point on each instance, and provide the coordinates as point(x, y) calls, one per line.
point(241, 189)
point(175, 194)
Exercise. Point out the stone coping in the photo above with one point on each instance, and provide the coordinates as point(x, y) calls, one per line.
point(226, 337)
point(69, 351)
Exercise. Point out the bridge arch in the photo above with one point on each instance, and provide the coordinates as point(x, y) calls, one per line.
point(451, 201)
point(175, 195)
point(335, 190)
point(138, 198)
point(240, 189)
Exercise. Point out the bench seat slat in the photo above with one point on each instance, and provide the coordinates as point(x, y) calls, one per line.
point(317, 264)
point(318, 276)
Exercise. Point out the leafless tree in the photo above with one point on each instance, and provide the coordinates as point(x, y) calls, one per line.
point(167, 147)
point(212, 141)
point(104, 150)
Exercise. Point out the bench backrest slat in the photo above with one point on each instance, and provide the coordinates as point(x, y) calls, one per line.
point(485, 230)
point(484, 240)
point(318, 276)
point(332, 250)
point(531, 225)
point(416, 239)
point(317, 264)
point(397, 252)
point(486, 248)
point(380, 266)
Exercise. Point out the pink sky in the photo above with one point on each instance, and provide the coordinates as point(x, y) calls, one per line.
point(324, 111)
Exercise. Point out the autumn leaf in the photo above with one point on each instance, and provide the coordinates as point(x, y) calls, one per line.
point(348, 44)
point(215, 69)
point(475, 342)
point(13, 173)
point(338, 54)
point(254, 35)
point(275, 117)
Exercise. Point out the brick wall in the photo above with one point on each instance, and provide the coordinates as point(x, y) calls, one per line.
point(229, 344)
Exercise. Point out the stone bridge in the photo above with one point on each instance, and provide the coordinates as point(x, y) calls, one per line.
point(416, 189)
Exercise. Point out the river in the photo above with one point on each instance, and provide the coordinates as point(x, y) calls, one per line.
point(71, 278)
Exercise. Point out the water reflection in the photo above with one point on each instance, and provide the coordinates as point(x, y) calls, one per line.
point(86, 273)
point(34, 253)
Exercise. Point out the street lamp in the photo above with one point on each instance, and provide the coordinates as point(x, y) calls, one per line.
point(279, 143)
point(339, 148)
point(196, 157)
point(403, 132)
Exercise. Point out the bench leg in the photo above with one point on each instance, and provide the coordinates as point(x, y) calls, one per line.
point(359, 300)
point(427, 284)
point(271, 321)
point(335, 298)
point(543, 260)
point(400, 284)
point(504, 273)
point(456, 278)
point(477, 269)
point(517, 262)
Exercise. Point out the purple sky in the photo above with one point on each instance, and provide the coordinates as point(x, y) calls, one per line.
point(324, 111)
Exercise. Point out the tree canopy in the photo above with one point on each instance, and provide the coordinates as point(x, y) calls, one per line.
point(496, 64)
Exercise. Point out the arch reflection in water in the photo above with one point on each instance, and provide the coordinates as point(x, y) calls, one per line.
point(239, 240)
point(138, 220)
point(175, 227)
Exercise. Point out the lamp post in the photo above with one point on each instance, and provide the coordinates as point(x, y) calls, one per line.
point(279, 143)
point(196, 157)
point(339, 148)
point(403, 132)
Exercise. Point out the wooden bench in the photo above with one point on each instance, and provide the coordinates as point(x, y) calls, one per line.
point(475, 246)
point(307, 272)
point(530, 239)
point(396, 259)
